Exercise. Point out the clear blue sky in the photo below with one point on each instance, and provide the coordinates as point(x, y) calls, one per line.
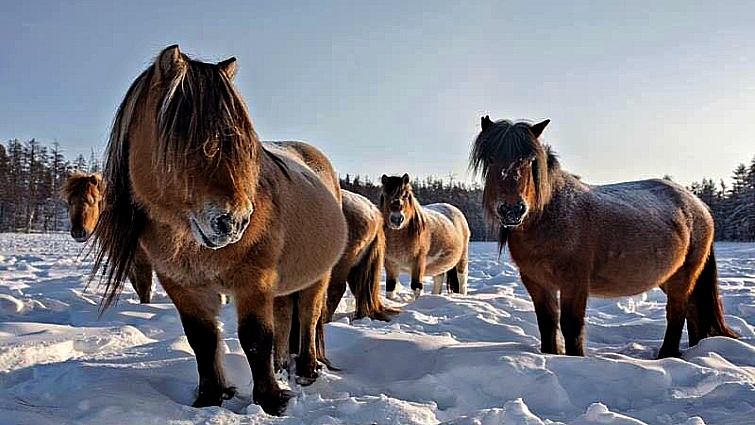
point(634, 89)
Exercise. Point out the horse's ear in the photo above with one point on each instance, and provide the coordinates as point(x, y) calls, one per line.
point(384, 179)
point(405, 178)
point(228, 67)
point(485, 122)
point(538, 128)
point(168, 60)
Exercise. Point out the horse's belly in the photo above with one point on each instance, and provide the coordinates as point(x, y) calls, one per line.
point(441, 262)
point(620, 279)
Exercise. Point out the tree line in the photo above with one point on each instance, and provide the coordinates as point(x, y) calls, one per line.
point(31, 175)
point(733, 206)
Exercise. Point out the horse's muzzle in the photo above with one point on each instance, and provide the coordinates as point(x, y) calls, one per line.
point(79, 235)
point(511, 215)
point(395, 220)
point(218, 229)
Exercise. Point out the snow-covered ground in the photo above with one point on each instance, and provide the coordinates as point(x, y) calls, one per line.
point(446, 359)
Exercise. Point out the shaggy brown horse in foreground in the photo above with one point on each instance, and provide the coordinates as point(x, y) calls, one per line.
point(609, 241)
point(217, 211)
point(362, 260)
point(431, 239)
point(83, 194)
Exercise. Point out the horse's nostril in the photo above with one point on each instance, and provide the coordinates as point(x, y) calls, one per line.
point(224, 224)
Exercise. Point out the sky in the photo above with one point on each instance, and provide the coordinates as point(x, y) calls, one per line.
point(633, 90)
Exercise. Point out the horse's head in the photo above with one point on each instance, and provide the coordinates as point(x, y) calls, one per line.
point(397, 203)
point(514, 165)
point(192, 149)
point(82, 192)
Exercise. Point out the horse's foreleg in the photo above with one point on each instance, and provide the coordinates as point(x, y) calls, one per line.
point(310, 308)
point(198, 306)
point(573, 305)
point(140, 275)
point(283, 311)
point(391, 277)
point(546, 309)
point(255, 316)
point(418, 272)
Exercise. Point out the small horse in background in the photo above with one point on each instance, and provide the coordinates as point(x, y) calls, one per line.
point(362, 260)
point(83, 194)
point(609, 241)
point(217, 211)
point(431, 239)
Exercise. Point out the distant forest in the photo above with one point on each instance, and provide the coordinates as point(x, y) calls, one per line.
point(31, 175)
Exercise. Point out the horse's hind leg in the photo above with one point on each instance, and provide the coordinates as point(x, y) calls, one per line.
point(677, 290)
point(283, 312)
point(438, 281)
point(462, 270)
point(336, 288)
point(546, 309)
point(198, 306)
point(310, 308)
point(140, 275)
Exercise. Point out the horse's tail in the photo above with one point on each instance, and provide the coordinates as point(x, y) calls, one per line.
point(452, 280)
point(705, 305)
point(364, 280)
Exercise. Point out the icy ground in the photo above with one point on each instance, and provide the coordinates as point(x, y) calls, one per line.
point(445, 359)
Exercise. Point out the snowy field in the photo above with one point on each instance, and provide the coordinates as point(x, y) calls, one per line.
point(445, 359)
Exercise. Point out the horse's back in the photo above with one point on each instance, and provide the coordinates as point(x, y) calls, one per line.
point(654, 202)
point(309, 156)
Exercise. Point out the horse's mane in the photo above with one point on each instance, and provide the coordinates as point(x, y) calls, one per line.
point(78, 183)
point(199, 113)
point(392, 186)
point(505, 142)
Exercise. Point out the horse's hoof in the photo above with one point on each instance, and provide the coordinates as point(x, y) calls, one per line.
point(417, 293)
point(665, 354)
point(274, 402)
point(391, 295)
point(208, 398)
point(280, 366)
point(306, 381)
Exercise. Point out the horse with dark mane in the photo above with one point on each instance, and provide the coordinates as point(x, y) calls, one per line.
point(83, 194)
point(608, 241)
point(189, 181)
point(431, 239)
point(362, 260)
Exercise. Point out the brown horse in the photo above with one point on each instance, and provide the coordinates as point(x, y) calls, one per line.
point(362, 260)
point(189, 180)
point(83, 194)
point(608, 241)
point(431, 239)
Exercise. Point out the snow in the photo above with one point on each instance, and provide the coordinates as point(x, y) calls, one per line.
point(461, 360)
